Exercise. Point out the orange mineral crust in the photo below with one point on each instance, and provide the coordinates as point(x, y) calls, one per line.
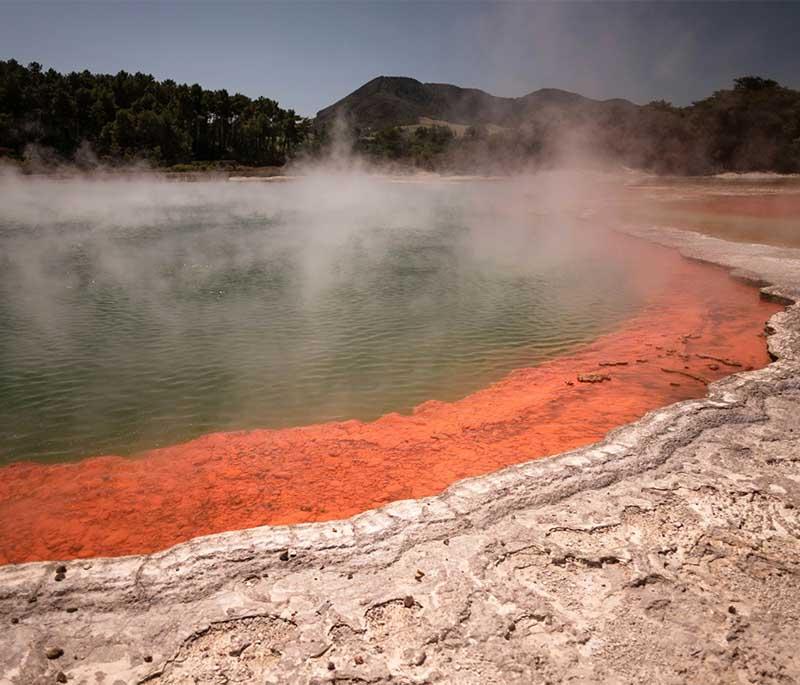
point(697, 326)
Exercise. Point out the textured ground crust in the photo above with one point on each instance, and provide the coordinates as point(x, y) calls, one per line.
point(670, 552)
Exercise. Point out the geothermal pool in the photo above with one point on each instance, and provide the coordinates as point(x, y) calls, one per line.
point(134, 316)
point(277, 353)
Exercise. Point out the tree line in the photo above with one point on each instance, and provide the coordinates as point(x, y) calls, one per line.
point(754, 126)
point(125, 117)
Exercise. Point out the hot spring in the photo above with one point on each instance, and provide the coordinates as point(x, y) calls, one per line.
point(263, 353)
point(144, 315)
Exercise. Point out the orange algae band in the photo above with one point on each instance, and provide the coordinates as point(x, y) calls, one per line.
point(702, 326)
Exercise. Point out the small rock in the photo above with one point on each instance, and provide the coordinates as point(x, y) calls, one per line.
point(317, 649)
point(14, 620)
point(148, 659)
point(238, 649)
point(331, 666)
point(60, 577)
point(419, 658)
point(358, 660)
point(593, 377)
point(446, 541)
point(71, 610)
point(408, 601)
point(284, 555)
point(54, 652)
point(419, 575)
point(582, 637)
point(731, 609)
point(61, 677)
point(61, 568)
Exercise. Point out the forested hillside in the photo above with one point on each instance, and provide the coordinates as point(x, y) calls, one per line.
point(755, 126)
point(80, 116)
point(134, 116)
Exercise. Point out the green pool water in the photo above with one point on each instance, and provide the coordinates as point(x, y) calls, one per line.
point(136, 314)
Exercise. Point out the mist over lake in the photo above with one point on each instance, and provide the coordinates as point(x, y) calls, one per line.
point(135, 314)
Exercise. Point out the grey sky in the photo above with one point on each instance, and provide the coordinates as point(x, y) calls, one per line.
point(309, 54)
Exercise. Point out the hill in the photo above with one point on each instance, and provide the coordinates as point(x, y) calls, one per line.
point(755, 126)
point(388, 101)
point(47, 118)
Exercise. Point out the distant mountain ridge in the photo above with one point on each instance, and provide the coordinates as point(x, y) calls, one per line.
point(388, 101)
point(753, 126)
point(85, 119)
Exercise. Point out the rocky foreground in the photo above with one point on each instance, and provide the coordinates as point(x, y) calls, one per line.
point(668, 553)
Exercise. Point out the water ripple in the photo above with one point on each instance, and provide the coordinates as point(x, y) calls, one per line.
point(115, 339)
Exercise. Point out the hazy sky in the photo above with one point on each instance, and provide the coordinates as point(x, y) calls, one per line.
point(309, 54)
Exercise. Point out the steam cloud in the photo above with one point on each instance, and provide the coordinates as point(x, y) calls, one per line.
point(193, 261)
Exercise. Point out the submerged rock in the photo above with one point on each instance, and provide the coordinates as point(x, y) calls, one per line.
point(593, 377)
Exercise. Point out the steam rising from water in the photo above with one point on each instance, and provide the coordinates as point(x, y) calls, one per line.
point(139, 312)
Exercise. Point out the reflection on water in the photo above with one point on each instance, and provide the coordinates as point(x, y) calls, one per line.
point(142, 316)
